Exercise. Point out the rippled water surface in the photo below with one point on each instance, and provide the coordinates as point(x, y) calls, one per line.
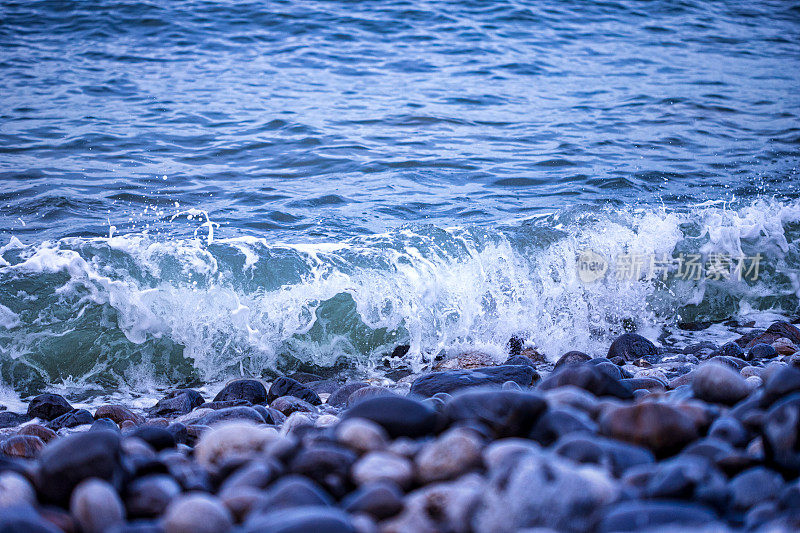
point(339, 118)
point(365, 173)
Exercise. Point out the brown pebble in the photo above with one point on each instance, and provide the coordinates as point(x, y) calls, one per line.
point(25, 446)
point(118, 414)
point(46, 434)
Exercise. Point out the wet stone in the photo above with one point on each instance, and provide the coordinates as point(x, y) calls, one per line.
point(197, 513)
point(149, 496)
point(361, 435)
point(630, 346)
point(555, 423)
point(761, 351)
point(363, 393)
point(229, 414)
point(571, 358)
point(290, 404)
point(22, 446)
point(588, 377)
point(754, 486)
point(731, 430)
point(104, 423)
point(46, 434)
point(608, 453)
point(690, 477)
point(786, 330)
point(506, 412)
point(96, 506)
point(284, 386)
point(119, 414)
point(158, 438)
point(231, 440)
point(717, 383)
point(452, 454)
point(644, 515)
point(340, 396)
point(661, 428)
point(307, 519)
point(66, 462)
point(329, 465)
point(294, 491)
point(15, 490)
point(383, 466)
point(250, 390)
point(380, 500)
point(176, 402)
point(77, 417)
point(397, 415)
point(453, 380)
point(781, 382)
point(48, 406)
point(781, 435)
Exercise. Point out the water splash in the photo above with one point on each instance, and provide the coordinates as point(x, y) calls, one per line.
point(141, 309)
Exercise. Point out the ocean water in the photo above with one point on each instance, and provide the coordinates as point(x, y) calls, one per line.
point(192, 190)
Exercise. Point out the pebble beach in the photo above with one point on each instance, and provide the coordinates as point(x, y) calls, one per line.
point(705, 439)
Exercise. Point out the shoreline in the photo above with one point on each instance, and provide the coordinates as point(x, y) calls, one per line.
point(641, 437)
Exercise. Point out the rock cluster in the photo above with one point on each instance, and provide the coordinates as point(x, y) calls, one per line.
point(643, 439)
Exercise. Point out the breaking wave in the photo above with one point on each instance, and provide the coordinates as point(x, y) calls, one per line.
point(139, 309)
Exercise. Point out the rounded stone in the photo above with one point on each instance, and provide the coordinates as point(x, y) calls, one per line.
point(730, 430)
point(149, 496)
point(96, 506)
point(197, 513)
point(294, 491)
point(377, 466)
point(66, 462)
point(399, 416)
point(158, 438)
point(630, 347)
point(48, 406)
point(300, 520)
point(361, 435)
point(290, 404)
point(76, 417)
point(453, 453)
point(662, 428)
point(284, 386)
point(571, 358)
point(241, 413)
point(506, 412)
point(380, 500)
point(362, 393)
point(251, 390)
point(654, 516)
point(754, 486)
point(327, 464)
point(23, 446)
point(231, 439)
point(15, 490)
point(761, 351)
point(339, 397)
point(588, 376)
point(450, 381)
point(718, 383)
point(177, 402)
point(119, 414)
point(46, 434)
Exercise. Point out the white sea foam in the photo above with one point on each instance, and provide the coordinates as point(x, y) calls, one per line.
point(242, 304)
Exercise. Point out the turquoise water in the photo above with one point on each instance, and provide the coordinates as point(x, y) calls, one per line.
point(191, 190)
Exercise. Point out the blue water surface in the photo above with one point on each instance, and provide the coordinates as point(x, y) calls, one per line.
point(308, 119)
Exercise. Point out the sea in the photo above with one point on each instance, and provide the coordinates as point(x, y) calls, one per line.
point(193, 190)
